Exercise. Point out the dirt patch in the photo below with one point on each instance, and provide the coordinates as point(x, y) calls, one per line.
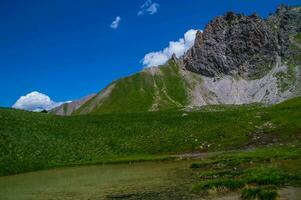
point(226, 197)
point(259, 139)
point(195, 155)
point(290, 193)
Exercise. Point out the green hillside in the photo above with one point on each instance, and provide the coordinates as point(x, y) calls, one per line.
point(152, 89)
point(32, 141)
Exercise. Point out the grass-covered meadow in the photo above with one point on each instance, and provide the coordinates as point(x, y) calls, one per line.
point(257, 174)
point(33, 141)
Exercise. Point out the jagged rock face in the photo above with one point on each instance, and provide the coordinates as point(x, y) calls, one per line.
point(285, 22)
point(246, 46)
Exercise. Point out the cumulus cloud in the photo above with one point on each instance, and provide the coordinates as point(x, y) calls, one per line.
point(36, 101)
point(115, 23)
point(175, 47)
point(148, 7)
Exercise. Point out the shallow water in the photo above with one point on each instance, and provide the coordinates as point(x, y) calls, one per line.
point(92, 182)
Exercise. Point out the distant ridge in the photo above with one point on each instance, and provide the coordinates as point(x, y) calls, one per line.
point(69, 108)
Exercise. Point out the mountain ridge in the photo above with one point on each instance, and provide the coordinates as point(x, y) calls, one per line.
point(69, 108)
point(236, 60)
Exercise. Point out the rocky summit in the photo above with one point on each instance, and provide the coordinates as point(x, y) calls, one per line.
point(247, 46)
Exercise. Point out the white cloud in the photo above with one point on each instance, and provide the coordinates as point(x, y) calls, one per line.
point(175, 47)
point(148, 7)
point(115, 23)
point(36, 101)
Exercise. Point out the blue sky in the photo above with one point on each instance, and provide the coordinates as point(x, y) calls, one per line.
point(67, 48)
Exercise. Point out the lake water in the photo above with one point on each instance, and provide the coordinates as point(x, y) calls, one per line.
point(146, 180)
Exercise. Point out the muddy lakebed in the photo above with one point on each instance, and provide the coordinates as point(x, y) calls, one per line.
point(143, 180)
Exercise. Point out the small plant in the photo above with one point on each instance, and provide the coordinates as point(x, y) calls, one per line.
point(260, 193)
point(220, 173)
point(266, 176)
point(218, 185)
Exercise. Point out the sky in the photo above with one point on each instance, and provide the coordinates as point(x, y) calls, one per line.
point(67, 49)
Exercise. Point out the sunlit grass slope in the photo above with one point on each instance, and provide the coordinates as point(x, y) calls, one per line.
point(160, 88)
point(32, 141)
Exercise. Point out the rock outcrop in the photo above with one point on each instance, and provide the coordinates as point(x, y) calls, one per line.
point(245, 46)
point(285, 22)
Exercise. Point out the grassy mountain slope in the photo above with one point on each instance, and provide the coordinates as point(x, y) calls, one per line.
point(152, 89)
point(32, 141)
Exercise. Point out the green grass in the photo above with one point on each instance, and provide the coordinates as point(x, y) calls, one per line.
point(174, 83)
point(261, 175)
point(266, 176)
point(33, 141)
point(258, 174)
point(137, 93)
point(260, 193)
point(218, 185)
point(236, 159)
point(131, 94)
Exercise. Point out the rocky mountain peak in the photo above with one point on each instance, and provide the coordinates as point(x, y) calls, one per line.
point(248, 46)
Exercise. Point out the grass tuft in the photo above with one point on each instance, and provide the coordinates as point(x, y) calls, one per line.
point(260, 193)
point(219, 185)
point(266, 176)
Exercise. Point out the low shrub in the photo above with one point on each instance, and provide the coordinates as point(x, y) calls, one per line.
point(260, 193)
point(266, 176)
point(223, 184)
